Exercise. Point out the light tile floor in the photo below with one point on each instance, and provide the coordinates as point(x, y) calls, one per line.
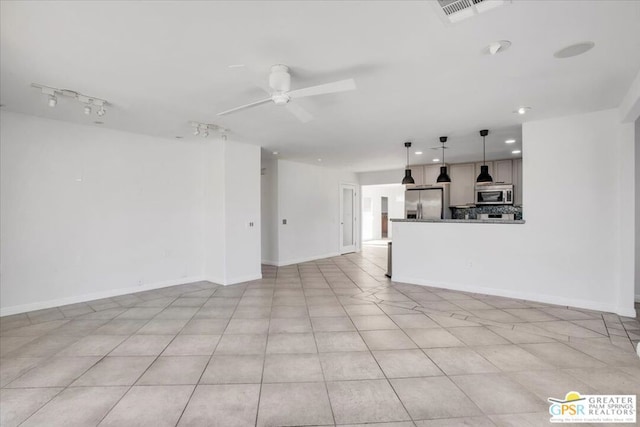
point(331, 342)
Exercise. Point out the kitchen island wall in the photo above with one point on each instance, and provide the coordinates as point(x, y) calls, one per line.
point(580, 258)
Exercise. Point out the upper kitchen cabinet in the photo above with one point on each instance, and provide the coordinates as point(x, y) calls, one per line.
point(417, 173)
point(517, 182)
point(503, 171)
point(463, 178)
point(477, 171)
point(431, 173)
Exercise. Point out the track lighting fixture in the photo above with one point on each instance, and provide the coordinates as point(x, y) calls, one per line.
point(88, 101)
point(203, 129)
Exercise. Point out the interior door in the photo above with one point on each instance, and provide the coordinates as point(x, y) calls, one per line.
point(347, 218)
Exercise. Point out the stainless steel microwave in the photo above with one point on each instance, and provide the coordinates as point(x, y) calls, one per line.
point(494, 194)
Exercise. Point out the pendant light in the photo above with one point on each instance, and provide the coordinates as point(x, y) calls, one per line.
point(407, 172)
point(484, 176)
point(444, 176)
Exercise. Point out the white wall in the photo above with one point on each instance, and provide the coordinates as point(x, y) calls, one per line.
point(309, 199)
point(371, 221)
point(213, 230)
point(393, 176)
point(242, 207)
point(86, 211)
point(637, 214)
point(269, 208)
point(570, 251)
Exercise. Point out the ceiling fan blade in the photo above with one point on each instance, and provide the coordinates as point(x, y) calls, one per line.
point(242, 107)
point(301, 114)
point(339, 86)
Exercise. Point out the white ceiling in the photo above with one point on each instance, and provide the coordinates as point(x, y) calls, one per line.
point(164, 63)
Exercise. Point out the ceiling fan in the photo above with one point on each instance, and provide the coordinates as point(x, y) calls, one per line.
point(281, 93)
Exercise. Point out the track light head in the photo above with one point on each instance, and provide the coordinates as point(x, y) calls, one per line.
point(196, 131)
point(87, 110)
point(205, 133)
point(101, 112)
point(53, 101)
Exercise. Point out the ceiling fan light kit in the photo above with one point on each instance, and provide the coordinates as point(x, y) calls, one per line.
point(54, 93)
point(282, 95)
point(484, 177)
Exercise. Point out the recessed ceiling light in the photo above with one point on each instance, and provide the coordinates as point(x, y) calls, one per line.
point(574, 50)
point(522, 110)
point(236, 65)
point(435, 160)
point(497, 47)
point(275, 153)
point(516, 152)
point(510, 141)
point(418, 152)
point(98, 122)
point(178, 137)
point(319, 160)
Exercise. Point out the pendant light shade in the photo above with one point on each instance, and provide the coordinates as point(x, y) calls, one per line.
point(408, 179)
point(484, 176)
point(443, 178)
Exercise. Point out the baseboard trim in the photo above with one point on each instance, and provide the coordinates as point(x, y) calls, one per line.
point(268, 262)
point(306, 259)
point(548, 299)
point(236, 280)
point(243, 279)
point(40, 305)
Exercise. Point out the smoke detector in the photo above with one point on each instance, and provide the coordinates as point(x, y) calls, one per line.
point(458, 10)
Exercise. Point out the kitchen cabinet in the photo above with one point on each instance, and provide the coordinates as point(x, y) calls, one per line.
point(463, 179)
point(517, 181)
point(477, 171)
point(417, 172)
point(431, 173)
point(503, 171)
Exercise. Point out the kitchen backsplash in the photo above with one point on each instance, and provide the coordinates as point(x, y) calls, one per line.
point(460, 213)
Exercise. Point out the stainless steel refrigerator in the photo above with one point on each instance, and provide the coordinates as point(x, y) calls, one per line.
point(424, 202)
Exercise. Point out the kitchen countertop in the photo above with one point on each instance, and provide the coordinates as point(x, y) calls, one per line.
point(472, 221)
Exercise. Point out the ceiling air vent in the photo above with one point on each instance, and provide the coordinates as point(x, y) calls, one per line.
point(457, 10)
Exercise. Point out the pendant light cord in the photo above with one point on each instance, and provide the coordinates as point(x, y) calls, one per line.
point(484, 157)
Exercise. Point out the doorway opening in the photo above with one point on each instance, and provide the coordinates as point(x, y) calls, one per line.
point(384, 217)
point(380, 204)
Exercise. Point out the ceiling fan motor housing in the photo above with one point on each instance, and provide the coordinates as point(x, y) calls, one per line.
point(280, 79)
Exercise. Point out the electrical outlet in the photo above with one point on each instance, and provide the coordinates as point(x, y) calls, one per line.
point(284, 222)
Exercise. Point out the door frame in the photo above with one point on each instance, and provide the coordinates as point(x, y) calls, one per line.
point(354, 219)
